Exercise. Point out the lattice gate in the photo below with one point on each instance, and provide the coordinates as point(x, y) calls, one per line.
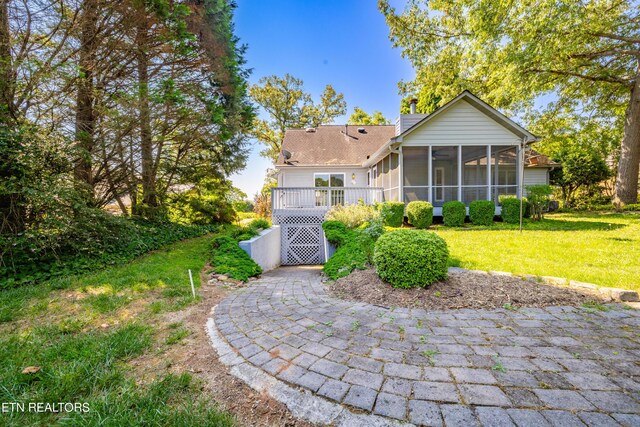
point(302, 239)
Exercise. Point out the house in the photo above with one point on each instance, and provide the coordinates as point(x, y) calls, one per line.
point(466, 150)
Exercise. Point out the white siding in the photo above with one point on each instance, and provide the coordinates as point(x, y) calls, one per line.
point(461, 124)
point(294, 177)
point(405, 121)
point(534, 176)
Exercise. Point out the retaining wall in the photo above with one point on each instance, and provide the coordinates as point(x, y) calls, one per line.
point(264, 248)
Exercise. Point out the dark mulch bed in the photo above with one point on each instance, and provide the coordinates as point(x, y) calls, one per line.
point(460, 290)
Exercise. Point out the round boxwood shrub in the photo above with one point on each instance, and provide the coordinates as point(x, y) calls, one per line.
point(511, 209)
point(420, 214)
point(392, 213)
point(411, 258)
point(453, 214)
point(481, 212)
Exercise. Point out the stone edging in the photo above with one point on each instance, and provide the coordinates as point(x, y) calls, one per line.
point(615, 294)
point(302, 403)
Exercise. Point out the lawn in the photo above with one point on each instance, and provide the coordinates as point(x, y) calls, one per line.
point(81, 332)
point(597, 248)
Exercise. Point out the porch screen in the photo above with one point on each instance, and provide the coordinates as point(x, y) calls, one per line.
point(445, 174)
point(474, 173)
point(415, 169)
point(503, 172)
point(392, 184)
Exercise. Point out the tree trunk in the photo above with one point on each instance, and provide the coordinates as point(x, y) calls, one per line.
point(627, 180)
point(85, 118)
point(12, 206)
point(149, 197)
point(7, 79)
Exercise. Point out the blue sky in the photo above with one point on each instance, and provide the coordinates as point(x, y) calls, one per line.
point(339, 42)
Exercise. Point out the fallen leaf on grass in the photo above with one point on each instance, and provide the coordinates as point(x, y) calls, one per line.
point(31, 369)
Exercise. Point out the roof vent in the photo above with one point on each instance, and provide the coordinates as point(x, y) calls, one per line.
point(310, 130)
point(361, 130)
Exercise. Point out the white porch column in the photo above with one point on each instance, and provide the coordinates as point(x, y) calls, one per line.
point(496, 178)
point(430, 177)
point(400, 175)
point(460, 172)
point(488, 172)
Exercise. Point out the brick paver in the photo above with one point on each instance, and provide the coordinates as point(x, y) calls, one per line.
point(533, 366)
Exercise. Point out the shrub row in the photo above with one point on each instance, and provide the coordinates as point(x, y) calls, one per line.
point(454, 213)
point(511, 209)
point(95, 241)
point(481, 212)
point(392, 213)
point(420, 214)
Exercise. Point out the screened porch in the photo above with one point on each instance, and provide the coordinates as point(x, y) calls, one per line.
point(439, 174)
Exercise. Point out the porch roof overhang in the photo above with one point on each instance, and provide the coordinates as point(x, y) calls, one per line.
point(505, 121)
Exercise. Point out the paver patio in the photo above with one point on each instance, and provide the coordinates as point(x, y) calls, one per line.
point(552, 366)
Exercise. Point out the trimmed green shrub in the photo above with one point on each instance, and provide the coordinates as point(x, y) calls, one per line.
point(392, 213)
point(259, 223)
point(539, 197)
point(453, 214)
point(511, 209)
point(353, 249)
point(352, 215)
point(335, 231)
point(420, 214)
point(481, 212)
point(411, 258)
point(227, 258)
point(242, 233)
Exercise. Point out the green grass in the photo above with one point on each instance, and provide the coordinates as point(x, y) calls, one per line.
point(83, 337)
point(597, 248)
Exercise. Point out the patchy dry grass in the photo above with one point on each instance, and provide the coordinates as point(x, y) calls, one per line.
point(83, 334)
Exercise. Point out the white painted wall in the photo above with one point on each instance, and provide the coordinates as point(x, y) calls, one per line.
point(405, 121)
point(264, 249)
point(534, 176)
point(462, 124)
point(303, 177)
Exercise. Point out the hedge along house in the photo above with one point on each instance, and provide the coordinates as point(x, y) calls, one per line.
point(466, 150)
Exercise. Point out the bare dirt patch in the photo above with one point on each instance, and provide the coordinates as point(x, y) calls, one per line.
point(194, 354)
point(460, 290)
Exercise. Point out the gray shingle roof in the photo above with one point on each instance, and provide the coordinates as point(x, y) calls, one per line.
point(329, 145)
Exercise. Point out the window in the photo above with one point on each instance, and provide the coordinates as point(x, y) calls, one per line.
point(329, 180)
point(329, 197)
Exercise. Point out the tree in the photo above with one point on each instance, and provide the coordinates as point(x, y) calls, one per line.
point(361, 117)
point(289, 107)
point(511, 53)
point(579, 169)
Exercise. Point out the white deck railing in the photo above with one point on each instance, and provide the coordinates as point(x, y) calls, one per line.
point(323, 197)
